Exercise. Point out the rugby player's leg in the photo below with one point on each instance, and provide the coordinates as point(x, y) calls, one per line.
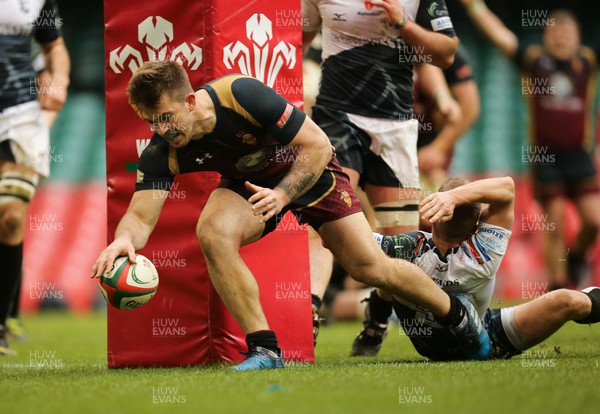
point(321, 264)
point(351, 241)
point(553, 242)
point(17, 186)
point(227, 223)
point(588, 207)
point(537, 320)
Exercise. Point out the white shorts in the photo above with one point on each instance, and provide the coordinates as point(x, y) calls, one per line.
point(25, 127)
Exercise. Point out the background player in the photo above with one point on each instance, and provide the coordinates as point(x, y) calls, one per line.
point(239, 127)
point(24, 133)
point(365, 101)
point(561, 118)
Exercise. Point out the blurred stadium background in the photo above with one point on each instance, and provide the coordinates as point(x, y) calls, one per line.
point(68, 217)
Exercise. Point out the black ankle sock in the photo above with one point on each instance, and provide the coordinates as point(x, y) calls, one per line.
point(11, 258)
point(316, 301)
point(15, 304)
point(594, 316)
point(454, 316)
point(266, 339)
point(379, 310)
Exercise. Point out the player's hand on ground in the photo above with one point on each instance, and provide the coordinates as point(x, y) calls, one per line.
point(431, 157)
point(104, 263)
point(393, 8)
point(266, 202)
point(437, 207)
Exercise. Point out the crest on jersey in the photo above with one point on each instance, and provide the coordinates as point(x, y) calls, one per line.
point(260, 56)
point(156, 37)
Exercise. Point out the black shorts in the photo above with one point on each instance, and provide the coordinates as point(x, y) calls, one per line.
point(440, 344)
point(6, 153)
point(562, 173)
point(352, 147)
point(331, 198)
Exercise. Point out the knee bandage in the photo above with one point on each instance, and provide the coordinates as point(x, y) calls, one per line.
point(397, 213)
point(17, 185)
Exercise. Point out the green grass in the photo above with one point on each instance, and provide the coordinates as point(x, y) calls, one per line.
point(79, 382)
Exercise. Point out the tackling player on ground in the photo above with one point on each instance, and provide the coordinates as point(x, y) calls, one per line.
point(470, 233)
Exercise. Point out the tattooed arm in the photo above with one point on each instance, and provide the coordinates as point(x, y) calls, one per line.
point(314, 153)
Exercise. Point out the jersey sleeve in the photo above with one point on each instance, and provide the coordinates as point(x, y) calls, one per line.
point(311, 17)
point(526, 54)
point(47, 25)
point(280, 118)
point(487, 247)
point(153, 171)
point(404, 246)
point(434, 16)
point(460, 71)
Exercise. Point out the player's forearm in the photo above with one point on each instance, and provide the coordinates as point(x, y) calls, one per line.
point(439, 49)
point(131, 228)
point(492, 28)
point(494, 191)
point(308, 166)
point(58, 62)
point(467, 96)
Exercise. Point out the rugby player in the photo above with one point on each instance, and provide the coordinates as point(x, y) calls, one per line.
point(470, 233)
point(365, 102)
point(241, 128)
point(24, 130)
point(559, 83)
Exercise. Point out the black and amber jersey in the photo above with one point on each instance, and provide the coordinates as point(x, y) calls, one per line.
point(254, 125)
point(367, 66)
point(561, 96)
point(20, 21)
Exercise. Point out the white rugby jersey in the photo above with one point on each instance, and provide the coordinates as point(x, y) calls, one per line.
point(367, 67)
point(469, 268)
point(20, 21)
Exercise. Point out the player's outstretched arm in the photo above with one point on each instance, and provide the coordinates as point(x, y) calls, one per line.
point(492, 27)
point(498, 193)
point(133, 230)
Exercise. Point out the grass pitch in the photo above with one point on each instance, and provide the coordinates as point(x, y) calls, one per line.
point(62, 369)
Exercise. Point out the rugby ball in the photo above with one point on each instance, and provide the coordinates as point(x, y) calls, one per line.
point(128, 286)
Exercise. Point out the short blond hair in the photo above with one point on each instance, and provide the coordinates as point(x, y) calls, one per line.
point(464, 219)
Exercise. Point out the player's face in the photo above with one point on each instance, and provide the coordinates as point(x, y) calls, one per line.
point(562, 39)
point(173, 121)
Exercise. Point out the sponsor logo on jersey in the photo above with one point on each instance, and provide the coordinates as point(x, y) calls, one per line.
point(339, 17)
point(246, 138)
point(156, 34)
point(263, 63)
point(434, 11)
point(441, 23)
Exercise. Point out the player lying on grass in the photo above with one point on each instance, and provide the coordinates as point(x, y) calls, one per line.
point(462, 255)
point(272, 158)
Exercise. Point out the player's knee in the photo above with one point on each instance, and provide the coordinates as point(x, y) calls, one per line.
point(214, 236)
point(369, 273)
point(12, 220)
point(569, 302)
